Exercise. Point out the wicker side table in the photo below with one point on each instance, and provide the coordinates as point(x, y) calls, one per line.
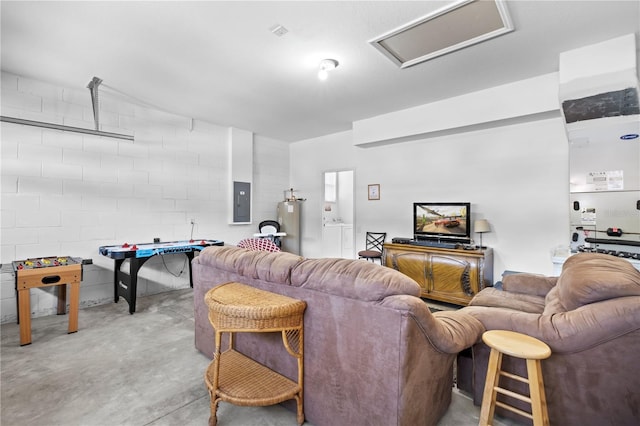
point(232, 376)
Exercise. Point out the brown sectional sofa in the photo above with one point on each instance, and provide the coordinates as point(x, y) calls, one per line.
point(590, 318)
point(374, 353)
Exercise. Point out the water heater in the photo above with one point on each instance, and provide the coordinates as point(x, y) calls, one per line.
point(289, 220)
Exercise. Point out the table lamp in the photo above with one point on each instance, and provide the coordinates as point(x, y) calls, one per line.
point(481, 226)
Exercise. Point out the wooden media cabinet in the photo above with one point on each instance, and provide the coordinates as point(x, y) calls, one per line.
point(447, 275)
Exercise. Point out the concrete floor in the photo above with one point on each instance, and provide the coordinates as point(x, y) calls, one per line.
point(122, 369)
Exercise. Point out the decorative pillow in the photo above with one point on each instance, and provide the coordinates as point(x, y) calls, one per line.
point(593, 277)
point(258, 244)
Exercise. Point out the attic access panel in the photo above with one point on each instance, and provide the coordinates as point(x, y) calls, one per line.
point(453, 27)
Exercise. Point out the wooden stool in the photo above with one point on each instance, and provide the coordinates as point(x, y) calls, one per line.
point(232, 376)
point(520, 346)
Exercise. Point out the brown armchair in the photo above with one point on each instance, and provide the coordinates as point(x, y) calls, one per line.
point(590, 318)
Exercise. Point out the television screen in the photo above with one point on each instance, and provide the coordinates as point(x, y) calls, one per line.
point(446, 221)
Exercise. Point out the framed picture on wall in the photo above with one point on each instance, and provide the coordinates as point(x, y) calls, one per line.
point(374, 191)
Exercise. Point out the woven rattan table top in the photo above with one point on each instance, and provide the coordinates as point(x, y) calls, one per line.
point(239, 306)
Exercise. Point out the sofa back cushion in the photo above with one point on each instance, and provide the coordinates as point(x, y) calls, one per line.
point(533, 284)
point(354, 279)
point(593, 277)
point(262, 265)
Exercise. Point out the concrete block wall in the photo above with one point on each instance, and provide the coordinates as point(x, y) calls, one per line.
point(67, 193)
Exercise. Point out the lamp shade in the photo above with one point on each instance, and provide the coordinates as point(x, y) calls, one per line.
point(481, 225)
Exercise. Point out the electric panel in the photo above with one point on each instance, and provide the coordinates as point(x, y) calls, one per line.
point(241, 202)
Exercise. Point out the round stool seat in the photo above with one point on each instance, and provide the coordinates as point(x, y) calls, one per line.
point(516, 344)
point(369, 253)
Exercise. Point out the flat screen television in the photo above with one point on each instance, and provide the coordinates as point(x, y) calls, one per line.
point(442, 222)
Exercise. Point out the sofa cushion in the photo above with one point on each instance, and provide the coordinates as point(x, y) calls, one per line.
point(552, 303)
point(534, 284)
point(353, 279)
point(505, 299)
point(263, 265)
point(593, 277)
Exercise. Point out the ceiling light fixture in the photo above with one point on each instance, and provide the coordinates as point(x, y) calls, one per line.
point(326, 65)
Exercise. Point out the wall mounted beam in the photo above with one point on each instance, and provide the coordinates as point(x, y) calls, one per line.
point(64, 128)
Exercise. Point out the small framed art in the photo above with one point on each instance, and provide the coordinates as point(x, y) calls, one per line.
point(374, 191)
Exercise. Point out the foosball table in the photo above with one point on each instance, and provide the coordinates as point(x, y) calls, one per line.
point(125, 284)
point(56, 271)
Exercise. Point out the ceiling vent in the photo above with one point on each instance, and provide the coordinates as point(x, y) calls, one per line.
point(448, 29)
point(598, 87)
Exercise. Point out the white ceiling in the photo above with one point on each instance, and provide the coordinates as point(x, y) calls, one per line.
point(219, 62)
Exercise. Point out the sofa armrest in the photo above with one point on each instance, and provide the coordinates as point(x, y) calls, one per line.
point(526, 283)
point(455, 331)
point(571, 331)
point(448, 331)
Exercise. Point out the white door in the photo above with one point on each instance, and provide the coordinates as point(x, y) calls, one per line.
point(337, 214)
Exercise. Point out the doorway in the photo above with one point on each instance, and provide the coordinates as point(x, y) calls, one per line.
point(338, 214)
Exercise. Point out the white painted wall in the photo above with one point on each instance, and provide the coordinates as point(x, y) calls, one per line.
point(67, 194)
point(521, 100)
point(515, 176)
point(309, 160)
point(345, 196)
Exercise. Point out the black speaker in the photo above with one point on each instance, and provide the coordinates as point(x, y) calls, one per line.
point(400, 240)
